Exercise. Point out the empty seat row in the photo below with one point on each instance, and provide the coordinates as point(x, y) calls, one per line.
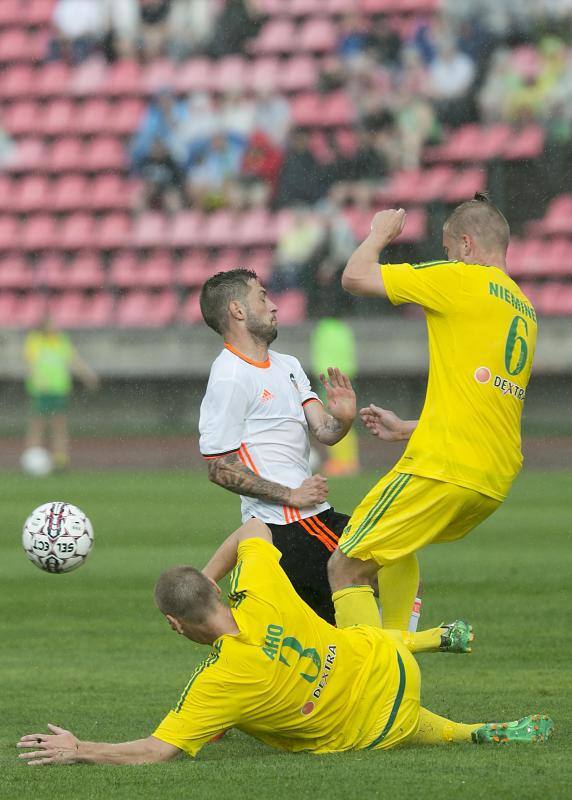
point(325, 111)
point(306, 8)
point(31, 13)
point(127, 269)
point(68, 154)
point(538, 257)
point(67, 193)
point(65, 117)
point(557, 220)
point(81, 230)
point(476, 143)
point(136, 309)
point(550, 299)
point(129, 78)
point(441, 183)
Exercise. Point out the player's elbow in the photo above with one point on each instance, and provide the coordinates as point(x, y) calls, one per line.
point(353, 277)
point(155, 751)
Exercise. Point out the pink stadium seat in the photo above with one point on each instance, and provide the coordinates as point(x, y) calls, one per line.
point(15, 273)
point(29, 156)
point(78, 232)
point(317, 35)
point(464, 185)
point(57, 118)
point(51, 271)
point(228, 258)
point(190, 312)
point(9, 233)
point(260, 260)
point(18, 82)
point(8, 304)
point(38, 12)
point(193, 76)
point(125, 271)
point(299, 73)
point(228, 73)
point(39, 233)
point(220, 229)
point(105, 153)
point(257, 227)
point(93, 116)
point(75, 309)
point(15, 45)
point(346, 142)
point(7, 193)
point(124, 78)
point(526, 60)
point(320, 147)
point(28, 311)
point(558, 218)
point(192, 269)
point(109, 192)
point(555, 299)
point(10, 12)
point(264, 72)
point(51, 80)
point(99, 310)
point(85, 271)
point(277, 36)
point(337, 110)
point(114, 232)
point(157, 74)
point(22, 118)
point(66, 155)
point(125, 117)
point(140, 309)
point(32, 194)
point(291, 307)
point(149, 230)
point(157, 272)
point(70, 193)
point(88, 79)
point(525, 144)
point(307, 110)
point(187, 229)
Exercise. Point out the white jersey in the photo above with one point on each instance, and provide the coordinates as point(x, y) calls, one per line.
point(255, 409)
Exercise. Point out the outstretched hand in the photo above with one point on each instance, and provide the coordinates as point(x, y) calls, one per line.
point(340, 395)
point(59, 747)
point(384, 424)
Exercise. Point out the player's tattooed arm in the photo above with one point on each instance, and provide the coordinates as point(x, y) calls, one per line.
point(330, 425)
point(230, 473)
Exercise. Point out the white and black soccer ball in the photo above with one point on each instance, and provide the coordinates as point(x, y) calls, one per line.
point(57, 537)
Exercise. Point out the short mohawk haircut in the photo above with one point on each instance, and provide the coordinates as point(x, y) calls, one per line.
point(481, 219)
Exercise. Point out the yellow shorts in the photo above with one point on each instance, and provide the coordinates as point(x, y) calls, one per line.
point(403, 513)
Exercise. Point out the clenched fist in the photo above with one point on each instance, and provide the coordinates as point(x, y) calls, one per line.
point(387, 225)
point(312, 491)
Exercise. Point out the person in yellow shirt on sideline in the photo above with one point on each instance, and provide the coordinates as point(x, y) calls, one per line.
point(51, 360)
point(282, 674)
point(465, 450)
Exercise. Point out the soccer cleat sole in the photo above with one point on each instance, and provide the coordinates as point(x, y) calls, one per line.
point(534, 729)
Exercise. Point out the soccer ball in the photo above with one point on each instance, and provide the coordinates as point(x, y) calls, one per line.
point(36, 461)
point(57, 537)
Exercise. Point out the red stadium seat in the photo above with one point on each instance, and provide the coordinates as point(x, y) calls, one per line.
point(277, 36)
point(15, 273)
point(141, 309)
point(18, 82)
point(22, 118)
point(346, 142)
point(85, 271)
point(125, 271)
point(337, 110)
point(220, 229)
point(22, 312)
point(114, 232)
point(299, 73)
point(320, 148)
point(9, 233)
point(7, 187)
point(78, 310)
point(261, 261)
point(464, 185)
point(51, 272)
point(558, 218)
point(228, 258)
point(93, 117)
point(11, 12)
point(29, 155)
point(291, 307)
point(38, 12)
point(15, 45)
point(57, 119)
point(39, 233)
point(193, 76)
point(229, 73)
point(125, 117)
point(525, 144)
point(78, 233)
point(105, 154)
point(70, 193)
point(264, 72)
point(187, 229)
point(149, 230)
point(88, 79)
point(66, 155)
point(109, 192)
point(307, 110)
point(316, 35)
point(124, 78)
point(157, 272)
point(32, 194)
point(51, 80)
point(190, 312)
point(157, 74)
point(191, 271)
point(257, 227)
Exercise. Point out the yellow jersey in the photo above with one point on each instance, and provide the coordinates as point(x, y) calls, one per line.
point(290, 679)
point(482, 336)
point(49, 357)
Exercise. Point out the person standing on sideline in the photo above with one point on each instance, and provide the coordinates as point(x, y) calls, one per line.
point(51, 360)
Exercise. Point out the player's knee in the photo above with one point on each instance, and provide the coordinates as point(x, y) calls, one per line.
point(342, 571)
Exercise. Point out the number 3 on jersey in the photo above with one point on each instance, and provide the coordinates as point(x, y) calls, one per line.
point(516, 348)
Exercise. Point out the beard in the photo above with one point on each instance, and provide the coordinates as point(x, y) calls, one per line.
point(265, 332)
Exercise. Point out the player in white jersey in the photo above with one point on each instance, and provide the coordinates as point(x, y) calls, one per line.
point(254, 425)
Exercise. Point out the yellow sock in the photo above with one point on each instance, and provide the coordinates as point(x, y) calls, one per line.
point(398, 585)
point(434, 729)
point(355, 605)
point(420, 642)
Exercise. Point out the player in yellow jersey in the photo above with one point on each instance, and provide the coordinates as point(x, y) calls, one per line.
point(280, 673)
point(465, 450)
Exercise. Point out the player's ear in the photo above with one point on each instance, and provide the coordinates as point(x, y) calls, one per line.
point(466, 244)
point(175, 624)
point(214, 583)
point(236, 309)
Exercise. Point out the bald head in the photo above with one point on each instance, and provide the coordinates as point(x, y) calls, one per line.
point(186, 594)
point(477, 230)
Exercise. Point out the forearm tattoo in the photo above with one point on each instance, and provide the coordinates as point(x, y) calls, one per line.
point(330, 430)
point(230, 473)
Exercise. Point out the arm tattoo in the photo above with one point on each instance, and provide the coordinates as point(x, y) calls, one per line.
point(329, 431)
point(230, 473)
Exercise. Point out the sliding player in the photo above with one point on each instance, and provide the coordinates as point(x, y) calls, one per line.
point(465, 450)
point(281, 674)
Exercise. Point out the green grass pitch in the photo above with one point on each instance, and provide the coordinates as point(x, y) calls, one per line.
point(89, 651)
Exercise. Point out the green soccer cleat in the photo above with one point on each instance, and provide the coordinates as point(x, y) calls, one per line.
point(456, 637)
point(534, 729)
